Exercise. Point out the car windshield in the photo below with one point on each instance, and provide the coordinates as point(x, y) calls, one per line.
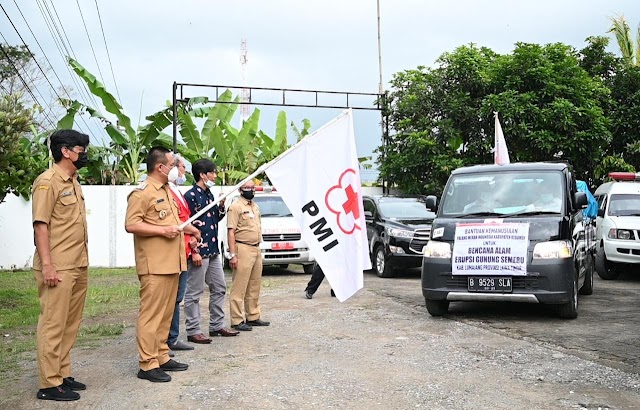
point(624, 205)
point(271, 206)
point(510, 193)
point(404, 208)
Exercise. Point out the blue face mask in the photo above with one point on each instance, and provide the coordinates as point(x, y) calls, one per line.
point(181, 180)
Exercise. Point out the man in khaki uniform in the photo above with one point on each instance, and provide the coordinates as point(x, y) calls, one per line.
point(152, 217)
point(245, 235)
point(60, 263)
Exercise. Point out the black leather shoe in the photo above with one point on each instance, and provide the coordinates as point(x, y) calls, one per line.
point(243, 327)
point(173, 366)
point(71, 383)
point(258, 322)
point(178, 345)
point(154, 375)
point(59, 393)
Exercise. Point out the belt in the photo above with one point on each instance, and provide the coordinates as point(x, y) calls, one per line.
point(248, 244)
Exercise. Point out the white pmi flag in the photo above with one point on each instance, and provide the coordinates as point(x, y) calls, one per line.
point(500, 153)
point(319, 180)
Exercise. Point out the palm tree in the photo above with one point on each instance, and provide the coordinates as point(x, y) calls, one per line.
point(629, 49)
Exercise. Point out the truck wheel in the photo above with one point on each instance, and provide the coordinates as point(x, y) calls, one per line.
point(437, 307)
point(570, 310)
point(383, 270)
point(604, 267)
point(587, 286)
point(307, 268)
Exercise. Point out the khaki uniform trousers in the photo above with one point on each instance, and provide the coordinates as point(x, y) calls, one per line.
point(61, 309)
point(157, 302)
point(246, 283)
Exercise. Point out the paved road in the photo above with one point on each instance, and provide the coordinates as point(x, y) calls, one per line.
point(606, 331)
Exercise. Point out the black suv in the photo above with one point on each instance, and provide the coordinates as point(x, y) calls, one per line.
point(397, 229)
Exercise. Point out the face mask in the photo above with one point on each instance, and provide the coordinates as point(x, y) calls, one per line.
point(82, 160)
point(210, 184)
point(247, 194)
point(173, 174)
point(181, 180)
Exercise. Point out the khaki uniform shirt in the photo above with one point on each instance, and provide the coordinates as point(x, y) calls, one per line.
point(57, 201)
point(152, 202)
point(244, 217)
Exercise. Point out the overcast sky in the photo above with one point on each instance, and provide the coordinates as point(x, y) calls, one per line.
point(322, 45)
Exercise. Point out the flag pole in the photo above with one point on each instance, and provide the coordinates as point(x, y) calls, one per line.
point(262, 168)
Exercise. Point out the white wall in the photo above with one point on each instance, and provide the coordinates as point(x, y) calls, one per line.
point(109, 244)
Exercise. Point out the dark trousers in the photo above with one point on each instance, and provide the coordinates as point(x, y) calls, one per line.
point(317, 276)
point(174, 330)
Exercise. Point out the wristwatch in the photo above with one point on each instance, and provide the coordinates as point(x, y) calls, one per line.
point(232, 255)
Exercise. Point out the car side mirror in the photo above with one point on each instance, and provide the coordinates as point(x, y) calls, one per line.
point(601, 213)
point(431, 203)
point(368, 216)
point(580, 199)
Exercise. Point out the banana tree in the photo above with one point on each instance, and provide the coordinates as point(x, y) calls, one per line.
point(629, 48)
point(128, 145)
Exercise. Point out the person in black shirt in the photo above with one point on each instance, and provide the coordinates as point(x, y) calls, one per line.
point(314, 283)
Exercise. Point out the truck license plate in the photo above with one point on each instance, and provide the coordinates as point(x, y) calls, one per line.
point(490, 284)
point(282, 246)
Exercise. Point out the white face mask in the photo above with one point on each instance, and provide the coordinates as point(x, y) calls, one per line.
point(173, 174)
point(210, 183)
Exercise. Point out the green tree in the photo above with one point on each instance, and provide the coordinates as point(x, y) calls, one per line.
point(20, 159)
point(550, 106)
point(18, 65)
point(621, 106)
point(435, 118)
point(442, 117)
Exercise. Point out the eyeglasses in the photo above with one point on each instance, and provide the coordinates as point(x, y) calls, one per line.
point(248, 189)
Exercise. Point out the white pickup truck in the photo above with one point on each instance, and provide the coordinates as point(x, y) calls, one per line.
point(282, 243)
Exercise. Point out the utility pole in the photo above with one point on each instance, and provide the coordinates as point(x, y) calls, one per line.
point(244, 93)
point(380, 88)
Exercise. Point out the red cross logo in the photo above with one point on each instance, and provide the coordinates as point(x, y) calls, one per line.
point(351, 205)
point(343, 199)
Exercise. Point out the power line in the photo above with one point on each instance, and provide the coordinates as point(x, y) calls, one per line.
point(87, 91)
point(60, 44)
point(88, 128)
point(72, 53)
point(108, 55)
point(25, 84)
point(86, 30)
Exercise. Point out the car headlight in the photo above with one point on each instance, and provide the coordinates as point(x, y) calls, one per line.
point(400, 233)
point(437, 249)
point(619, 234)
point(553, 250)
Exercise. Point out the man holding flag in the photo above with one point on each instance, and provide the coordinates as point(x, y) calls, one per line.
point(326, 201)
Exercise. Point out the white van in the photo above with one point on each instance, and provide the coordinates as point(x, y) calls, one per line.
point(618, 224)
point(282, 242)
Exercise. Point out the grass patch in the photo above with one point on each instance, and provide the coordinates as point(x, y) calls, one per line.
point(110, 291)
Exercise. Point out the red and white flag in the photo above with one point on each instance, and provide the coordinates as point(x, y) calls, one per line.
point(500, 153)
point(319, 180)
